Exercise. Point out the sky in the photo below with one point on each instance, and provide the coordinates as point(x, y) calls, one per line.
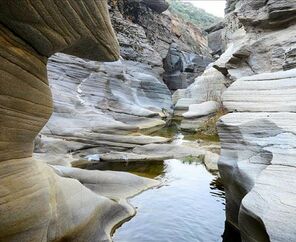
point(211, 6)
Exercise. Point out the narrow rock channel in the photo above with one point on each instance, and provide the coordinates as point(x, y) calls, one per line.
point(147, 121)
point(187, 186)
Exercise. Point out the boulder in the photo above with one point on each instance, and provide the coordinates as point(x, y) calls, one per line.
point(207, 87)
point(182, 67)
point(211, 161)
point(157, 5)
point(202, 109)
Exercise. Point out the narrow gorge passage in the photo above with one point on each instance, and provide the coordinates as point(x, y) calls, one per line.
point(147, 120)
point(189, 202)
point(187, 206)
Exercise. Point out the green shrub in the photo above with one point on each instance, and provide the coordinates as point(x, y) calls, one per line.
point(192, 14)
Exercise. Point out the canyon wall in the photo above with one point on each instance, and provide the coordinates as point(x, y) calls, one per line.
point(257, 160)
point(99, 106)
point(254, 80)
point(40, 202)
point(178, 50)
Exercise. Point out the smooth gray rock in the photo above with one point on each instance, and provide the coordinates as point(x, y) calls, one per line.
point(266, 92)
point(258, 152)
point(102, 104)
point(207, 87)
point(194, 124)
point(202, 109)
point(114, 185)
point(132, 157)
point(172, 150)
point(211, 161)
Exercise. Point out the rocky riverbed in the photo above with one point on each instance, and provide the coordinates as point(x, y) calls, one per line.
point(188, 183)
point(89, 92)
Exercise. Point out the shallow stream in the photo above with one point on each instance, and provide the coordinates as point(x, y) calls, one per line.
point(188, 206)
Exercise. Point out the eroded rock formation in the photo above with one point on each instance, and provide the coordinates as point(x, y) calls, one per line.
point(146, 36)
point(102, 106)
point(259, 43)
point(121, 100)
point(257, 161)
point(257, 138)
point(35, 203)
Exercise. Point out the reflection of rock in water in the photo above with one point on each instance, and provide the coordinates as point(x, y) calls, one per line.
point(231, 234)
point(150, 170)
point(182, 208)
point(217, 189)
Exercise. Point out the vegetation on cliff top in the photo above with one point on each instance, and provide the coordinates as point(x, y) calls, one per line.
point(192, 14)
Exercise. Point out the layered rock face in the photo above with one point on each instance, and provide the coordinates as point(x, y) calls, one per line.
point(126, 98)
point(258, 154)
point(215, 39)
point(36, 204)
point(208, 87)
point(102, 106)
point(257, 161)
point(149, 37)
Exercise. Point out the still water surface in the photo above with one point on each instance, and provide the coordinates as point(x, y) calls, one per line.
point(187, 207)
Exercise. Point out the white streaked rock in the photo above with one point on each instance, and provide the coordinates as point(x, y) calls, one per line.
point(258, 166)
point(209, 86)
point(267, 92)
point(102, 105)
point(202, 109)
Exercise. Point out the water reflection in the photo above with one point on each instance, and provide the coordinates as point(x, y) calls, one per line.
point(172, 130)
point(231, 234)
point(217, 190)
point(145, 169)
point(188, 207)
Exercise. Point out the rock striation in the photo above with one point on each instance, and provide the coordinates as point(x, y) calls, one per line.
point(121, 100)
point(36, 203)
point(257, 162)
point(148, 37)
point(257, 85)
point(102, 106)
point(262, 133)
